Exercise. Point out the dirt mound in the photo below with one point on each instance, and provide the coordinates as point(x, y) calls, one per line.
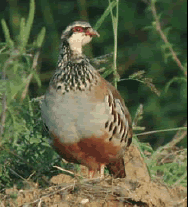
point(136, 189)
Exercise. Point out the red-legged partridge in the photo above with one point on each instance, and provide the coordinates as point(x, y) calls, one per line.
point(85, 115)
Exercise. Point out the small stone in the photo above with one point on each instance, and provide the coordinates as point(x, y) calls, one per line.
point(84, 201)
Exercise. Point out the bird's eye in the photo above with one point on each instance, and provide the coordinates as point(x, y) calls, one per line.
point(78, 29)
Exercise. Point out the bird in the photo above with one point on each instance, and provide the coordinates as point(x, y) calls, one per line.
point(85, 115)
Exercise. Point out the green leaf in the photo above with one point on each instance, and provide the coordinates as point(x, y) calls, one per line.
point(107, 73)
point(29, 23)
point(167, 30)
point(9, 41)
point(105, 14)
point(147, 28)
point(22, 32)
point(40, 37)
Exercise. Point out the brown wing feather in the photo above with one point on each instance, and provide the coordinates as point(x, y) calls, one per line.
point(117, 168)
point(116, 95)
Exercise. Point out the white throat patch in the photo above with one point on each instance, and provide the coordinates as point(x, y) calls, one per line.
point(77, 40)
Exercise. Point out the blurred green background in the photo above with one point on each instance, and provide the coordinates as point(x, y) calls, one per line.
point(138, 49)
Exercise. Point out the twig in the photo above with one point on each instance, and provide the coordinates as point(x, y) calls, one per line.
point(180, 179)
point(184, 200)
point(75, 175)
point(2, 205)
point(53, 193)
point(163, 159)
point(163, 130)
point(39, 203)
point(178, 136)
point(159, 29)
point(18, 175)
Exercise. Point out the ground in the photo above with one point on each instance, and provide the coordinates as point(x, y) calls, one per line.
point(65, 190)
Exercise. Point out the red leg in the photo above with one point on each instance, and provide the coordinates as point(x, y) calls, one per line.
point(102, 166)
point(91, 174)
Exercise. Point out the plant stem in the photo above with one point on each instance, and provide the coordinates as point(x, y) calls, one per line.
point(29, 78)
point(115, 30)
point(115, 44)
point(159, 29)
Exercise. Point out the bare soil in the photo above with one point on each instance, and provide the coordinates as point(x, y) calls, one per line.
point(136, 189)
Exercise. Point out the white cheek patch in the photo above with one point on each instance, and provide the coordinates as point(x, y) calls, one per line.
point(86, 39)
point(77, 40)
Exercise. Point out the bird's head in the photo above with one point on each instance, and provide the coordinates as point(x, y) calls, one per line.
point(78, 34)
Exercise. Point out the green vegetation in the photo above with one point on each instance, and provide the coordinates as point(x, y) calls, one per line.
point(149, 54)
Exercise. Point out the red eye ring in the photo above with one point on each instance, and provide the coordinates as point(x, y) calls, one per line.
point(78, 29)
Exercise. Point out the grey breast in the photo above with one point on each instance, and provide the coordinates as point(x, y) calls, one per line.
point(73, 116)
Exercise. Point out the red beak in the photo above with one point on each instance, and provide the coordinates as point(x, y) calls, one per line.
point(92, 32)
